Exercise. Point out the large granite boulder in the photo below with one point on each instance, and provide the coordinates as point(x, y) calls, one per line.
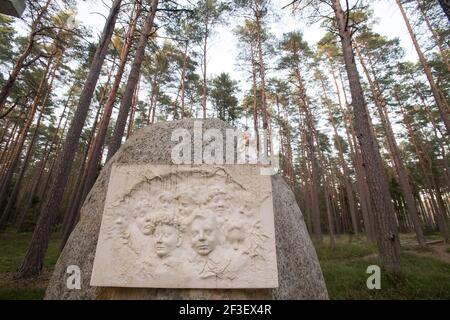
point(299, 272)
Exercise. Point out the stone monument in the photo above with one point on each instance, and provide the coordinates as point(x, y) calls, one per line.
point(152, 229)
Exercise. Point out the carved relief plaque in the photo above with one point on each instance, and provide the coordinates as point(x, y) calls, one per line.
point(167, 226)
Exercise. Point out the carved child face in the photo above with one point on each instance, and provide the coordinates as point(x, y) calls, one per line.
point(186, 203)
point(204, 235)
point(167, 239)
point(218, 203)
point(235, 237)
point(144, 224)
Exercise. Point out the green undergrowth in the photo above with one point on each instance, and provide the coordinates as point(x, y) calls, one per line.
point(344, 266)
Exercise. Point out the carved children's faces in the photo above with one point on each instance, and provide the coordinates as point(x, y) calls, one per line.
point(187, 227)
point(167, 239)
point(218, 203)
point(235, 237)
point(204, 235)
point(186, 203)
point(144, 224)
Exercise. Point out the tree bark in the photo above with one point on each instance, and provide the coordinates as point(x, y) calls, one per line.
point(24, 133)
point(15, 191)
point(133, 110)
point(439, 97)
point(345, 169)
point(361, 181)
point(72, 213)
point(20, 63)
point(183, 76)
point(12, 198)
point(255, 101)
point(314, 169)
point(427, 173)
point(34, 257)
point(96, 154)
point(204, 84)
point(48, 150)
point(262, 76)
point(133, 79)
point(445, 5)
point(387, 233)
point(435, 35)
point(4, 158)
point(403, 176)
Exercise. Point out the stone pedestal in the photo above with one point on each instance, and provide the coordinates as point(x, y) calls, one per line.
point(296, 274)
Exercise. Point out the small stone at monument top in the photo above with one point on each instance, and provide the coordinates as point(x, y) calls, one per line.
point(182, 226)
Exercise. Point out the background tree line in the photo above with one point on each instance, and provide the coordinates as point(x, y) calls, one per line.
point(362, 136)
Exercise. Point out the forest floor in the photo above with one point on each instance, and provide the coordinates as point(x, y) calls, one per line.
point(425, 272)
point(13, 247)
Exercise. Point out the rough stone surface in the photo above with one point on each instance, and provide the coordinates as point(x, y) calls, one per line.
point(299, 272)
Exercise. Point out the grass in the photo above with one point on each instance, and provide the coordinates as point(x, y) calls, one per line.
point(13, 247)
point(344, 267)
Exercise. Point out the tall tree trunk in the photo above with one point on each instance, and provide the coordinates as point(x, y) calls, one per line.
point(133, 111)
point(94, 160)
point(439, 97)
point(48, 150)
point(311, 153)
point(34, 257)
point(154, 93)
point(434, 34)
point(15, 192)
point(346, 171)
point(133, 79)
point(428, 111)
point(42, 190)
point(255, 101)
point(262, 71)
point(72, 213)
point(403, 176)
point(304, 108)
point(12, 145)
point(4, 133)
point(445, 5)
point(24, 132)
point(155, 101)
point(12, 198)
point(335, 203)
point(329, 214)
point(387, 234)
point(361, 181)
point(183, 83)
point(5, 153)
point(204, 62)
point(326, 189)
point(427, 172)
point(20, 63)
